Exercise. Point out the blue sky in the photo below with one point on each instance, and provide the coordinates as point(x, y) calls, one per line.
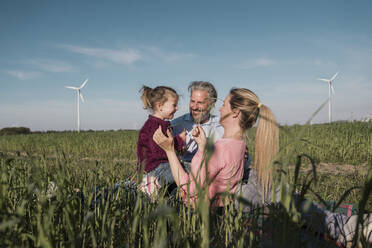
point(278, 49)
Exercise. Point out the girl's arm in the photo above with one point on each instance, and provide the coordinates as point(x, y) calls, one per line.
point(142, 148)
point(179, 143)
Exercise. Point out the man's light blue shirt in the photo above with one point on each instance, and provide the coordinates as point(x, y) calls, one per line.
point(212, 129)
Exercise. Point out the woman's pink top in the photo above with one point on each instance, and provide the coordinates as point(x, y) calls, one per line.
point(225, 169)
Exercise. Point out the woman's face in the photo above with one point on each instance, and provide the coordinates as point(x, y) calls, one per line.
point(225, 110)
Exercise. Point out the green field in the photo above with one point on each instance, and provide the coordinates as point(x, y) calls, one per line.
point(35, 215)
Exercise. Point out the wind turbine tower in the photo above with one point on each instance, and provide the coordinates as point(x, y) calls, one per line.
point(330, 88)
point(79, 95)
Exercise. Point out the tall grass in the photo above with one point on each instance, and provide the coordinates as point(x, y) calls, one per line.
point(40, 206)
point(36, 214)
point(100, 145)
point(339, 143)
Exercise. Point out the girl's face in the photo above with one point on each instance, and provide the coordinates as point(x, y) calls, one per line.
point(168, 108)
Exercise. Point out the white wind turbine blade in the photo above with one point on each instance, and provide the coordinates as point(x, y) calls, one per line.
point(322, 79)
point(83, 84)
point(71, 87)
point(332, 89)
point(81, 96)
point(334, 76)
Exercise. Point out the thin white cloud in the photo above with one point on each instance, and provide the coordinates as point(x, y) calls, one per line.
point(51, 65)
point(323, 63)
point(128, 56)
point(267, 62)
point(264, 62)
point(254, 63)
point(119, 56)
point(172, 57)
point(99, 63)
point(23, 75)
point(167, 57)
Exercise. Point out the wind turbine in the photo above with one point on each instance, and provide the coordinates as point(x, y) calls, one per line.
point(330, 88)
point(79, 95)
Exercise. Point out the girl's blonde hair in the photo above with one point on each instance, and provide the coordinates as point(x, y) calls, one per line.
point(267, 133)
point(159, 94)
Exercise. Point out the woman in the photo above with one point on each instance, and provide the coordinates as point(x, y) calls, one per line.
point(240, 112)
point(225, 168)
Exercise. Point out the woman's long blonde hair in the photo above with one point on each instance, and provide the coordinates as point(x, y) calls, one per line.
point(267, 133)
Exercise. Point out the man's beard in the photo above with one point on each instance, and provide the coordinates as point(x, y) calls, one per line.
point(204, 115)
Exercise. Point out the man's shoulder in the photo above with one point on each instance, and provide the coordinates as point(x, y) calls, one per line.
point(215, 121)
point(213, 128)
point(182, 118)
point(181, 122)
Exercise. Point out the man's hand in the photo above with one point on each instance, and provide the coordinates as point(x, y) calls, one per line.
point(247, 157)
point(246, 154)
point(166, 143)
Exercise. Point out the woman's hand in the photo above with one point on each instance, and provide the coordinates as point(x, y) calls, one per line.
point(199, 136)
point(166, 143)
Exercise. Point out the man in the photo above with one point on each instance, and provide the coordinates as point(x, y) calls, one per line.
point(203, 97)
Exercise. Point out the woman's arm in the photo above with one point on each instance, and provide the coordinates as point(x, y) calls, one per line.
point(167, 144)
point(198, 172)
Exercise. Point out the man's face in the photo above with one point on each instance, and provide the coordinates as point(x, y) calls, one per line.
point(199, 102)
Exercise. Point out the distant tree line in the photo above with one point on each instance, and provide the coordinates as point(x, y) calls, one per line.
point(26, 130)
point(14, 130)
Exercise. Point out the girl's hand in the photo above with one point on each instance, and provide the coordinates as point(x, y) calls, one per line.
point(199, 136)
point(166, 143)
point(183, 135)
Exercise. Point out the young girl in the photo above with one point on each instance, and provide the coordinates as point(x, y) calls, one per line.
point(152, 159)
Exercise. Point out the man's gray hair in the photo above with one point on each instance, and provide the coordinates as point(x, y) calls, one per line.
point(204, 85)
